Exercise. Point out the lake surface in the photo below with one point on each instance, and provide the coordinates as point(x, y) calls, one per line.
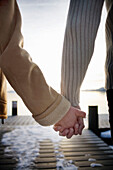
point(88, 98)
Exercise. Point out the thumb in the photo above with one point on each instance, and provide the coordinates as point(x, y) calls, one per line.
point(80, 113)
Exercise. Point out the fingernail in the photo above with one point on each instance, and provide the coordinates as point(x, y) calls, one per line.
point(58, 127)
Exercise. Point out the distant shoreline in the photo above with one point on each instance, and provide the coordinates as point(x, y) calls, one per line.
point(102, 89)
point(11, 91)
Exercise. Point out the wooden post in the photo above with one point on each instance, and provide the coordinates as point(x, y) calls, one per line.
point(14, 108)
point(93, 119)
point(2, 121)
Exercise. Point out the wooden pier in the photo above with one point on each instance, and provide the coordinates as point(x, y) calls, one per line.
point(83, 152)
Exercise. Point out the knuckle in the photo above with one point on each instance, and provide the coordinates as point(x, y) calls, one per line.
point(82, 126)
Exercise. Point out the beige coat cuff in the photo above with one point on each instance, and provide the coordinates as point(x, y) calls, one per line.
point(55, 115)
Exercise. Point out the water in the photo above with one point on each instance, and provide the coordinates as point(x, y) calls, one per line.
point(94, 98)
point(43, 27)
point(87, 98)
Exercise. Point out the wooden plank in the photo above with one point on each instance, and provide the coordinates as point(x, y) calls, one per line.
point(46, 144)
point(46, 141)
point(7, 152)
point(7, 161)
point(88, 163)
point(97, 168)
point(6, 156)
point(45, 160)
point(83, 146)
point(87, 153)
point(7, 167)
point(46, 147)
point(85, 158)
point(84, 149)
point(86, 138)
point(46, 151)
point(1, 149)
point(46, 165)
point(3, 146)
point(88, 142)
point(47, 155)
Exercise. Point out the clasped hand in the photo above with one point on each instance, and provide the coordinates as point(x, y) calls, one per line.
point(71, 124)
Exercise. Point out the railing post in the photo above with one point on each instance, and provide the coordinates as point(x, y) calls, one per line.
point(93, 119)
point(14, 108)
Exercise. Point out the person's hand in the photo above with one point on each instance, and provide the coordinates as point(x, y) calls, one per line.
point(77, 129)
point(70, 122)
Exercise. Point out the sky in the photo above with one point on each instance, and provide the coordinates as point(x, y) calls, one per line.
point(43, 28)
point(95, 77)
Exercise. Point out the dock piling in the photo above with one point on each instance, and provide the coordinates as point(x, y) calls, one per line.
point(14, 108)
point(93, 119)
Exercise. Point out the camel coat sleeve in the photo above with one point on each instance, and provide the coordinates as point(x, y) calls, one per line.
point(46, 105)
point(3, 96)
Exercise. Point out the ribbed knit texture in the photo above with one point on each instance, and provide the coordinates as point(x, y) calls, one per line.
point(81, 29)
point(109, 45)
